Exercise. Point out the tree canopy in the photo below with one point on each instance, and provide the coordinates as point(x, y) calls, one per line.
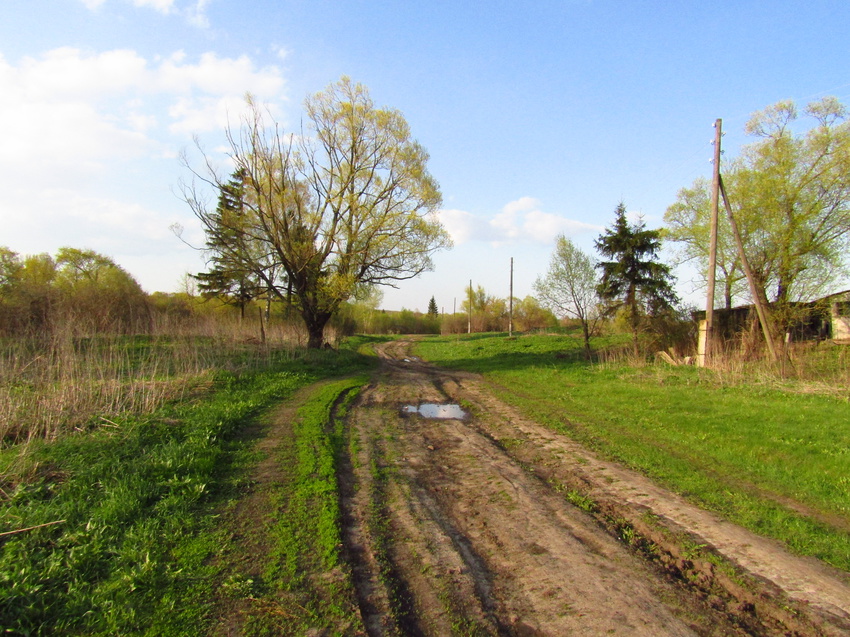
point(230, 277)
point(82, 290)
point(688, 224)
point(433, 311)
point(349, 204)
point(569, 286)
point(790, 194)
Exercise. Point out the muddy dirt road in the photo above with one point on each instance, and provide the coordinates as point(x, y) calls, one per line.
point(492, 524)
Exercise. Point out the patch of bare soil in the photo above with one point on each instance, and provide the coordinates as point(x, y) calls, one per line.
point(466, 526)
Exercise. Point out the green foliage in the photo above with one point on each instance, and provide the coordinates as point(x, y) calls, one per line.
point(433, 311)
point(135, 551)
point(81, 288)
point(351, 206)
point(633, 279)
point(530, 315)
point(569, 287)
point(800, 187)
point(489, 313)
point(688, 224)
point(237, 274)
point(790, 194)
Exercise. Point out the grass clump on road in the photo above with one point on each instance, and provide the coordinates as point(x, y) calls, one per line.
point(303, 571)
point(773, 457)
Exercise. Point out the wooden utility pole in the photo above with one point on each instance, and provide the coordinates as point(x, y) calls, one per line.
point(704, 357)
point(469, 310)
point(760, 309)
point(511, 303)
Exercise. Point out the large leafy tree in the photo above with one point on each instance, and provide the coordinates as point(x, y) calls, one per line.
point(688, 224)
point(798, 185)
point(790, 194)
point(348, 205)
point(569, 287)
point(633, 279)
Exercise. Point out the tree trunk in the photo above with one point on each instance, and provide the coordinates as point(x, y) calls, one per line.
point(634, 318)
point(315, 323)
point(586, 332)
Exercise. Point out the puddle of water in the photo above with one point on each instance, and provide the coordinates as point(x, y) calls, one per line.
point(433, 410)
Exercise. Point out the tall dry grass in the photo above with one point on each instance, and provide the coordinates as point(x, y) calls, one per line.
point(817, 367)
point(820, 367)
point(54, 384)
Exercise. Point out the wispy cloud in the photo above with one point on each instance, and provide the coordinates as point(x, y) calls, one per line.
point(195, 11)
point(70, 107)
point(163, 6)
point(519, 221)
point(90, 141)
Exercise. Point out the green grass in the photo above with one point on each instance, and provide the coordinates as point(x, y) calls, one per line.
point(135, 553)
point(305, 586)
point(751, 451)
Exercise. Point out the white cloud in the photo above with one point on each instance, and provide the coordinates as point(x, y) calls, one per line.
point(54, 217)
point(197, 14)
point(89, 145)
point(459, 224)
point(217, 76)
point(522, 204)
point(519, 221)
point(82, 109)
point(544, 226)
point(194, 12)
point(163, 6)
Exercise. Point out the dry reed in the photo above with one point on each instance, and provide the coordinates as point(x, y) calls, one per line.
point(56, 384)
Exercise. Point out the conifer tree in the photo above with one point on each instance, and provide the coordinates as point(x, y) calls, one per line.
point(632, 278)
point(432, 308)
point(232, 274)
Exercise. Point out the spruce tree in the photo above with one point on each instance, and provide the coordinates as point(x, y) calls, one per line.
point(228, 277)
point(432, 308)
point(632, 277)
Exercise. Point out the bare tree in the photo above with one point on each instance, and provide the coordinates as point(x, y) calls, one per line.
point(569, 287)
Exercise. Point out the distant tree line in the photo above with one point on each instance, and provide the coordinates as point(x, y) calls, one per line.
point(80, 288)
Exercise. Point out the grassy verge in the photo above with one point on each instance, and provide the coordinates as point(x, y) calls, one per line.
point(305, 585)
point(770, 456)
point(136, 535)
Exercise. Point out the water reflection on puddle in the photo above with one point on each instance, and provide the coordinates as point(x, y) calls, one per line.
point(433, 410)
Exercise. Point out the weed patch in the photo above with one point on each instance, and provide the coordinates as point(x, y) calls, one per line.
point(136, 553)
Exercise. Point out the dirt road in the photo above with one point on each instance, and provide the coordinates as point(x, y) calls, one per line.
point(491, 524)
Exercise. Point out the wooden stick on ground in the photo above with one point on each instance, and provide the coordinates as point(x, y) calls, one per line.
point(30, 528)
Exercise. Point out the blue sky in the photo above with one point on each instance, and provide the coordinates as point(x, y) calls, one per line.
point(539, 116)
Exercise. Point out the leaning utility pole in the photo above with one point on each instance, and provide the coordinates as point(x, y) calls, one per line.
point(704, 357)
point(761, 310)
point(511, 303)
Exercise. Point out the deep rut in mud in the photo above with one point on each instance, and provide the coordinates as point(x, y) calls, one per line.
point(464, 526)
